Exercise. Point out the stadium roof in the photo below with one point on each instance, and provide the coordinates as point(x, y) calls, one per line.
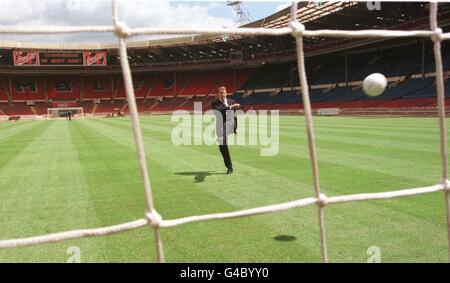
point(306, 12)
point(350, 15)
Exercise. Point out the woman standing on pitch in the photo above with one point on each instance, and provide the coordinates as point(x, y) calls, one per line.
point(226, 123)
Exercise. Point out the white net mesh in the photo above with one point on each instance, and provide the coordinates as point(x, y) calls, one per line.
point(155, 221)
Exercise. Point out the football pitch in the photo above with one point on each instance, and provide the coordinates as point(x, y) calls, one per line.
point(60, 175)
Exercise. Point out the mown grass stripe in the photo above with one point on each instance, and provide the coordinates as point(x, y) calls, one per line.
point(108, 191)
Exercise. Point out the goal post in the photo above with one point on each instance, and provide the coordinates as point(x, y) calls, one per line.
point(77, 112)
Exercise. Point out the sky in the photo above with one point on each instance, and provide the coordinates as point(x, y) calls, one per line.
point(136, 13)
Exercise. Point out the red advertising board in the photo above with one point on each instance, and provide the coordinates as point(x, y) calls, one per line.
point(26, 58)
point(52, 58)
point(96, 58)
point(64, 104)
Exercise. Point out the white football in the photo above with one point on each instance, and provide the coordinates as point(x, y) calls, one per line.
point(374, 84)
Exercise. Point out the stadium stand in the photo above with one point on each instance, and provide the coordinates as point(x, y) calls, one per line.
point(97, 87)
point(261, 73)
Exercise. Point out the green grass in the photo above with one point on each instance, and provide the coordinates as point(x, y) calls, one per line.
point(59, 175)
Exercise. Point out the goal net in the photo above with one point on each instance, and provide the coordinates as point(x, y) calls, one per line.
point(75, 112)
point(153, 219)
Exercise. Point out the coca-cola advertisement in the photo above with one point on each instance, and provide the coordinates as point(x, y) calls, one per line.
point(26, 58)
point(54, 58)
point(96, 58)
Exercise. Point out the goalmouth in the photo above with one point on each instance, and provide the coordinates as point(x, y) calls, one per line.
point(76, 112)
